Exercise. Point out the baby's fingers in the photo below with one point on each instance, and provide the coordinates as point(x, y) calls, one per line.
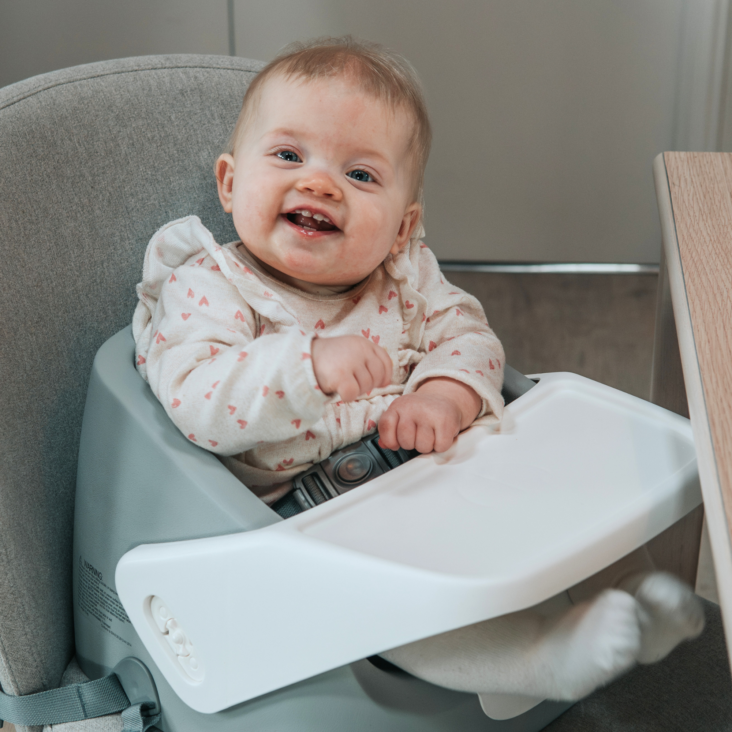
point(386, 364)
point(424, 440)
point(406, 432)
point(444, 435)
point(379, 371)
point(387, 429)
point(348, 388)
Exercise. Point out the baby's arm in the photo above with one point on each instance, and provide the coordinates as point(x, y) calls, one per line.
point(458, 379)
point(226, 384)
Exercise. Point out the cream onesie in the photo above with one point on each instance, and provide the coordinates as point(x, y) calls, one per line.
point(226, 349)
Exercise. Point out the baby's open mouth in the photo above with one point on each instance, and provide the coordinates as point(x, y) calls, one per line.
point(308, 220)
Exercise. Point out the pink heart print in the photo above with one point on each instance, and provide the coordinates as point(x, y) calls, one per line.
point(382, 309)
point(175, 403)
point(366, 333)
point(375, 339)
point(391, 294)
point(296, 422)
point(185, 316)
point(231, 409)
point(320, 325)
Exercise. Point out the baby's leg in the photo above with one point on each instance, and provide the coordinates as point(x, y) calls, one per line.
point(669, 611)
point(563, 657)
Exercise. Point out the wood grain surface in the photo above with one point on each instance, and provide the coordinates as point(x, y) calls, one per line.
point(700, 185)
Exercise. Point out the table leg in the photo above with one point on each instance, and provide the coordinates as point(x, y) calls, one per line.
point(675, 550)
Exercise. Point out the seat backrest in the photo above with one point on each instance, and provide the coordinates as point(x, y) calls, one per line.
point(94, 159)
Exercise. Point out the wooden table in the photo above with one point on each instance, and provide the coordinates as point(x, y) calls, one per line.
point(694, 192)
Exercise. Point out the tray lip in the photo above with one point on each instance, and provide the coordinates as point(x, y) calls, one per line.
point(549, 384)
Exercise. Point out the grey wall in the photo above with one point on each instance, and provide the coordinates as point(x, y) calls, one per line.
point(547, 113)
point(42, 35)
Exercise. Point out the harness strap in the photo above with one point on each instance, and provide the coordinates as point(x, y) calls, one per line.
point(74, 703)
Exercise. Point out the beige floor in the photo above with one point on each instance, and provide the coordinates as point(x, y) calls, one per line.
point(600, 326)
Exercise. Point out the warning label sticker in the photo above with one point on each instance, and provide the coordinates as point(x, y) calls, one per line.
point(98, 600)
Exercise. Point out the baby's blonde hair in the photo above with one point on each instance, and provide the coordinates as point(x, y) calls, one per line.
point(375, 69)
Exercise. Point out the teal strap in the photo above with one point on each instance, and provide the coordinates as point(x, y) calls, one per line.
point(133, 721)
point(70, 703)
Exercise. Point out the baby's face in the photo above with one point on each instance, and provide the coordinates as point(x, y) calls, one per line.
point(320, 185)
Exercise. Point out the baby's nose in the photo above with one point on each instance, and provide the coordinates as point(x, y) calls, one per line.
point(320, 184)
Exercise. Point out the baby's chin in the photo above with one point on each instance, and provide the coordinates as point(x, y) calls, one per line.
point(319, 273)
point(306, 279)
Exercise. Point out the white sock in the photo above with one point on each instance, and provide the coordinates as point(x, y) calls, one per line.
point(670, 613)
point(563, 657)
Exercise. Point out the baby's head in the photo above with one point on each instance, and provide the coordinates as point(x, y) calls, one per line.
point(324, 177)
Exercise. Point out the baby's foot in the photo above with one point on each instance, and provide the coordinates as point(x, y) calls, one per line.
point(669, 613)
point(589, 646)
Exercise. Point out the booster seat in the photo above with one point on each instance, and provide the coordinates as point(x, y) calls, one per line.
point(248, 621)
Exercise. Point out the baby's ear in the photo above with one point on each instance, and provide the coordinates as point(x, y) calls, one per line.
point(411, 218)
point(224, 169)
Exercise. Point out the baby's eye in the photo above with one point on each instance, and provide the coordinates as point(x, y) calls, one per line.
point(360, 175)
point(289, 156)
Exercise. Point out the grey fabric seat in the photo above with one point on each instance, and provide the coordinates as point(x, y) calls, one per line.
point(93, 160)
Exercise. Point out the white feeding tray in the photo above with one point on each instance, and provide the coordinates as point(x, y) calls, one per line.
point(576, 476)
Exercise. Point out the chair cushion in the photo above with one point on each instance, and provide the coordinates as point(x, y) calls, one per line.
point(94, 159)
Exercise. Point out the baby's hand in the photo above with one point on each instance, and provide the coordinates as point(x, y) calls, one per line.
point(350, 365)
point(429, 419)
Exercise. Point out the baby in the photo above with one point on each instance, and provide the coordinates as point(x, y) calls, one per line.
point(330, 319)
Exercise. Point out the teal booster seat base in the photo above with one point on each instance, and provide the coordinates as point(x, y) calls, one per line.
point(278, 617)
